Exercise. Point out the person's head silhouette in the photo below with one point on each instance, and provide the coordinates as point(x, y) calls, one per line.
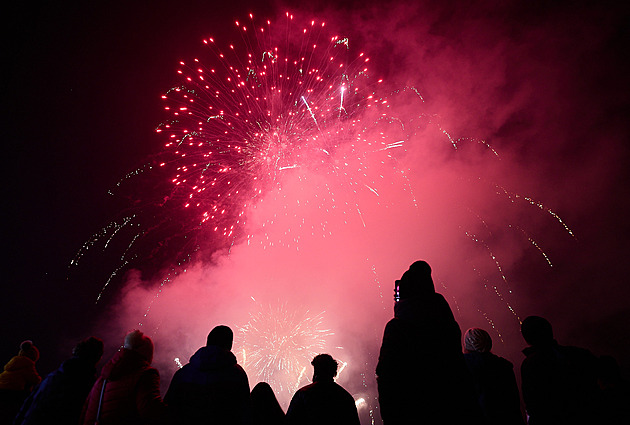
point(221, 336)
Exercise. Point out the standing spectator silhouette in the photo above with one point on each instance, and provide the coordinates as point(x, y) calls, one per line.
point(421, 374)
point(59, 398)
point(559, 383)
point(614, 396)
point(212, 388)
point(17, 380)
point(324, 401)
point(128, 390)
point(495, 383)
point(265, 407)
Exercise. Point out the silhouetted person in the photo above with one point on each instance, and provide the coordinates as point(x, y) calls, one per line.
point(128, 390)
point(324, 401)
point(265, 407)
point(614, 395)
point(17, 380)
point(495, 382)
point(59, 398)
point(421, 374)
point(212, 388)
point(559, 382)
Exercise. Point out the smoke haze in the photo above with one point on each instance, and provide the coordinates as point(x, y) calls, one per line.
point(523, 111)
point(529, 82)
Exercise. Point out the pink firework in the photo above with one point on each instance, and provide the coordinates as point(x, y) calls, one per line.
point(271, 106)
point(278, 343)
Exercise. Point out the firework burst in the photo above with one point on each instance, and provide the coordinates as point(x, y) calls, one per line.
point(268, 110)
point(277, 345)
point(291, 108)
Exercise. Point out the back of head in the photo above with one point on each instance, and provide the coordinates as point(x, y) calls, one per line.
point(476, 340)
point(27, 349)
point(416, 281)
point(221, 336)
point(608, 370)
point(263, 395)
point(325, 367)
point(265, 406)
point(140, 343)
point(537, 331)
point(89, 349)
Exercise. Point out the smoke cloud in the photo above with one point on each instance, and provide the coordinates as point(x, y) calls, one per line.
point(518, 122)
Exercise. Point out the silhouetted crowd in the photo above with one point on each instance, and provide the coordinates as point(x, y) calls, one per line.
point(423, 377)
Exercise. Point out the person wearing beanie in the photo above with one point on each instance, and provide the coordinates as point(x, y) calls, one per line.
point(212, 388)
point(17, 380)
point(559, 383)
point(128, 389)
point(324, 401)
point(421, 373)
point(59, 397)
point(495, 382)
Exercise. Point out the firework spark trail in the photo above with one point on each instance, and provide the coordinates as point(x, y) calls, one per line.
point(486, 285)
point(534, 243)
point(113, 227)
point(496, 261)
point(492, 324)
point(511, 196)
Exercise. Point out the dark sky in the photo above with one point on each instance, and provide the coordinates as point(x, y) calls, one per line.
point(546, 83)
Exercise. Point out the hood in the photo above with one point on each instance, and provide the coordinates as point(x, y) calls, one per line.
point(426, 308)
point(212, 357)
point(125, 362)
point(19, 363)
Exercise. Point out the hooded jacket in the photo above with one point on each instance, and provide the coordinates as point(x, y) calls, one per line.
point(131, 394)
point(19, 374)
point(559, 384)
point(59, 397)
point(497, 391)
point(421, 373)
point(212, 388)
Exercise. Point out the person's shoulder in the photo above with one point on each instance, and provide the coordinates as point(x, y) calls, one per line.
point(342, 390)
point(394, 324)
point(500, 361)
point(576, 351)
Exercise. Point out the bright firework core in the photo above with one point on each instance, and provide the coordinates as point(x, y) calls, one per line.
point(277, 345)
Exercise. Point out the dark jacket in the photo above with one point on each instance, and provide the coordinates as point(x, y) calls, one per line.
point(212, 388)
point(19, 374)
point(322, 403)
point(421, 373)
point(131, 394)
point(497, 391)
point(559, 385)
point(60, 396)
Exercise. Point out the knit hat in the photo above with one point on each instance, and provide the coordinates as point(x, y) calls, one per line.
point(27, 349)
point(140, 343)
point(477, 340)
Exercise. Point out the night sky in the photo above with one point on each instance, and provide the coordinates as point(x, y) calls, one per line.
point(544, 83)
